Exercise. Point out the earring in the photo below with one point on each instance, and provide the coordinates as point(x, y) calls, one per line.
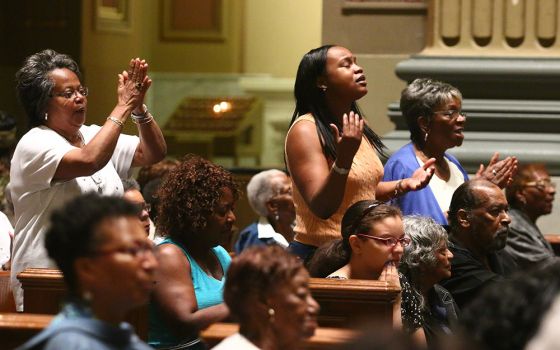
point(46, 116)
point(276, 216)
point(271, 314)
point(425, 137)
point(324, 88)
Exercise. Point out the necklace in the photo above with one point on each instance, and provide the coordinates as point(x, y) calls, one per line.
point(97, 180)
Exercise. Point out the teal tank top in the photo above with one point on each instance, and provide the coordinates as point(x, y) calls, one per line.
point(207, 290)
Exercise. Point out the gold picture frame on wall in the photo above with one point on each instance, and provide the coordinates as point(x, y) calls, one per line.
point(194, 20)
point(112, 16)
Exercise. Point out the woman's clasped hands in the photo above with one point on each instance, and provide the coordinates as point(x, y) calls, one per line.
point(133, 84)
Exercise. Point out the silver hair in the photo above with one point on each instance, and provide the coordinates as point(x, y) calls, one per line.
point(426, 238)
point(260, 190)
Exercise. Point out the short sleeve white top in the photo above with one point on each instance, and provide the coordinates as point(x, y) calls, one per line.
point(35, 195)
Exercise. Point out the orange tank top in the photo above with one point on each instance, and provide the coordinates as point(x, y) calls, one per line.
point(364, 175)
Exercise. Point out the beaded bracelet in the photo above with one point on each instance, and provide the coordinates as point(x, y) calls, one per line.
point(116, 121)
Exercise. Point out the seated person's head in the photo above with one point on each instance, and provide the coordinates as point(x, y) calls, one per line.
point(372, 235)
point(150, 178)
point(478, 215)
point(101, 248)
point(507, 315)
point(197, 199)
point(267, 291)
point(155, 171)
point(133, 195)
point(426, 259)
point(532, 191)
point(270, 195)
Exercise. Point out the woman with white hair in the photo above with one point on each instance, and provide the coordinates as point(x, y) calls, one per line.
point(425, 262)
point(270, 196)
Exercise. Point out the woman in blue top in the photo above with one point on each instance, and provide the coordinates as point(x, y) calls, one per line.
point(195, 214)
point(433, 112)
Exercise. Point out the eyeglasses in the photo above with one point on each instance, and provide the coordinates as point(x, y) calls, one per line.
point(389, 241)
point(452, 114)
point(359, 219)
point(143, 206)
point(541, 185)
point(137, 252)
point(69, 93)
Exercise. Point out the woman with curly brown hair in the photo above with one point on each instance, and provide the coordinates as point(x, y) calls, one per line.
point(195, 212)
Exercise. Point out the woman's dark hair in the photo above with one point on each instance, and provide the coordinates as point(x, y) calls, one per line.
point(524, 174)
point(517, 306)
point(420, 99)
point(311, 99)
point(189, 194)
point(34, 84)
point(255, 274)
point(73, 232)
point(358, 219)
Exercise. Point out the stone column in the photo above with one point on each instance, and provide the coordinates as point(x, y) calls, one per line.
point(504, 56)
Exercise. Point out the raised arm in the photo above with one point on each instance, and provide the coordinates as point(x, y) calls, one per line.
point(387, 190)
point(152, 147)
point(174, 293)
point(322, 186)
point(90, 158)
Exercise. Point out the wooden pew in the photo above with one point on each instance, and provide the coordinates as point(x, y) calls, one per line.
point(324, 338)
point(7, 303)
point(44, 292)
point(17, 328)
point(350, 303)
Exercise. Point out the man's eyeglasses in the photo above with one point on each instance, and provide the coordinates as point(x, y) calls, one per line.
point(69, 93)
point(137, 252)
point(541, 185)
point(452, 114)
point(389, 241)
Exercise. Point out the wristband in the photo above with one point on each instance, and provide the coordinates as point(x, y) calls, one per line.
point(339, 170)
point(141, 116)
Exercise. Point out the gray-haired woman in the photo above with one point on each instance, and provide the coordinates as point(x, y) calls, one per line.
point(61, 158)
point(270, 196)
point(425, 262)
point(435, 118)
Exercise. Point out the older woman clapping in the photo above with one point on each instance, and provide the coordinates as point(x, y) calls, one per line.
point(60, 157)
point(433, 112)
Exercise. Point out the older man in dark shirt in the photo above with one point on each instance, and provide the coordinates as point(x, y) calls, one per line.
point(479, 223)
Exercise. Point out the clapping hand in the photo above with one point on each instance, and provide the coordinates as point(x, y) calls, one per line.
point(420, 178)
point(133, 85)
point(501, 172)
